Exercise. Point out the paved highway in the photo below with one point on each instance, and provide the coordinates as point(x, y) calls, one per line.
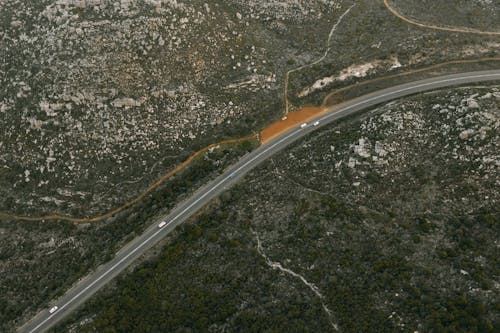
point(131, 251)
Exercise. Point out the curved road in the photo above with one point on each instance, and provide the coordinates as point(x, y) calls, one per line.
point(88, 286)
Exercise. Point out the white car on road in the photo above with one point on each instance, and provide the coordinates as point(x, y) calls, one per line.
point(53, 309)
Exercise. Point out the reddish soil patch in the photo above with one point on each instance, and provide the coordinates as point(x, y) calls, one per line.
point(293, 119)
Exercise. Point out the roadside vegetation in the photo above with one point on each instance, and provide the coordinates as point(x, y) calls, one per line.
point(102, 98)
point(41, 260)
point(384, 222)
point(99, 99)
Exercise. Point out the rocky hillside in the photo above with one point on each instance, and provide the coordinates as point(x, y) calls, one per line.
point(101, 97)
point(387, 222)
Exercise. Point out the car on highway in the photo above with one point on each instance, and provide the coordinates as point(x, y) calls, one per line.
point(316, 123)
point(132, 251)
point(162, 224)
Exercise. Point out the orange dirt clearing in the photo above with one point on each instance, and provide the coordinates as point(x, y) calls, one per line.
point(293, 119)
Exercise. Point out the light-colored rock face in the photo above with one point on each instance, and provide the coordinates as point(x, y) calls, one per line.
point(361, 148)
point(421, 137)
point(125, 102)
point(101, 96)
point(353, 71)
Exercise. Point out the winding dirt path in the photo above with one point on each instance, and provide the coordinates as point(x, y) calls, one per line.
point(323, 57)
point(135, 200)
point(436, 27)
point(293, 118)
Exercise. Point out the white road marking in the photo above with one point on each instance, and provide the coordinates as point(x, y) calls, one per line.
point(405, 89)
point(157, 232)
point(237, 170)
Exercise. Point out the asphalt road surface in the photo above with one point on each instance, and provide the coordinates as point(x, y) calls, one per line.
point(88, 286)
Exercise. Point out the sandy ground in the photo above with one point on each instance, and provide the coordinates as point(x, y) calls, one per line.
point(293, 119)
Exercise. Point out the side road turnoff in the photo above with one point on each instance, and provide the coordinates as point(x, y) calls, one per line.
point(88, 286)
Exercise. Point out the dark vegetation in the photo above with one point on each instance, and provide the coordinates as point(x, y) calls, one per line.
point(35, 272)
point(478, 15)
point(46, 59)
point(419, 48)
point(221, 74)
point(179, 291)
point(409, 248)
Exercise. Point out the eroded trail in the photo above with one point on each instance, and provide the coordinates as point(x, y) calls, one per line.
point(323, 57)
point(293, 118)
point(311, 286)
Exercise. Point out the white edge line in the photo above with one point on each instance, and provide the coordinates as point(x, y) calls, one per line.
point(157, 232)
point(236, 171)
point(405, 89)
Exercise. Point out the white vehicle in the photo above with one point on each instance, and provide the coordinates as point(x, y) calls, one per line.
point(284, 118)
point(303, 125)
point(316, 123)
point(53, 309)
point(162, 224)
